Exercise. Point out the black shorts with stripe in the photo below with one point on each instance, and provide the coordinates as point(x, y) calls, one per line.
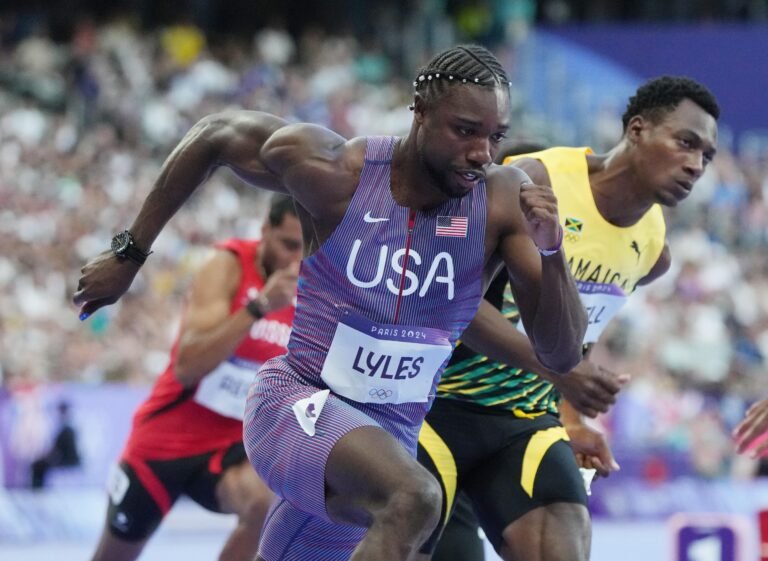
point(507, 465)
point(141, 492)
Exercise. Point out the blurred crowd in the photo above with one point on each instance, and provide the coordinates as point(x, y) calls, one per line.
point(85, 126)
point(696, 341)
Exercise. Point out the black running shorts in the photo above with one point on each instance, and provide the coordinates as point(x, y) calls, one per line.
point(141, 492)
point(507, 465)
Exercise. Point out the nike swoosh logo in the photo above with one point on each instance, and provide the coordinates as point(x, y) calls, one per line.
point(370, 219)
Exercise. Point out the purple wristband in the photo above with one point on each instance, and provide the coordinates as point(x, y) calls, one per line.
point(557, 247)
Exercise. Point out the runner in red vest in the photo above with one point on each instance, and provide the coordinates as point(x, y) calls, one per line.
point(187, 437)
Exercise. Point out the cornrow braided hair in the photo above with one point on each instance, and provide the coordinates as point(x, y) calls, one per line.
point(464, 64)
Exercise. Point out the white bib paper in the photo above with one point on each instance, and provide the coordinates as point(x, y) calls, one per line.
point(382, 363)
point(602, 302)
point(226, 388)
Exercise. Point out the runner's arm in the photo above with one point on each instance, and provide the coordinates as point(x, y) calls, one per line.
point(209, 334)
point(549, 303)
point(261, 148)
point(659, 268)
point(750, 433)
point(232, 139)
point(589, 444)
point(591, 389)
point(493, 335)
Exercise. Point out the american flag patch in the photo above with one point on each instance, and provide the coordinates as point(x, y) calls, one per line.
point(453, 226)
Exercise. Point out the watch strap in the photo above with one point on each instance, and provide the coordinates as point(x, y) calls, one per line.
point(133, 253)
point(131, 250)
point(254, 308)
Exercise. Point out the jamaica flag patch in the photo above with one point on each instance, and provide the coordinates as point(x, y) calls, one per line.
point(574, 225)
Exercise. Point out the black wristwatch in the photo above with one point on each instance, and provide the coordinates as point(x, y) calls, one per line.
point(124, 247)
point(255, 307)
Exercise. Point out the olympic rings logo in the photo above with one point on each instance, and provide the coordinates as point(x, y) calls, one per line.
point(572, 237)
point(380, 393)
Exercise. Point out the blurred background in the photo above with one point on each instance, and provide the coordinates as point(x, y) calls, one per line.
point(94, 95)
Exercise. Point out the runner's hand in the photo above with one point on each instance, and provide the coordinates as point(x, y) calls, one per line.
point(590, 388)
point(539, 206)
point(749, 432)
point(280, 290)
point(104, 279)
point(591, 449)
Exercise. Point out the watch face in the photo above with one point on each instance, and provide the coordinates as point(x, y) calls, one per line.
point(121, 242)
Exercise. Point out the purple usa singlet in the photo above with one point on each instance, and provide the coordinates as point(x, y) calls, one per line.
point(380, 307)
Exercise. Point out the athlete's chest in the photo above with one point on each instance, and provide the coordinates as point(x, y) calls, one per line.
point(411, 253)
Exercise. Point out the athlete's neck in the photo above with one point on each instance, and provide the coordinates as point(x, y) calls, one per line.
point(617, 187)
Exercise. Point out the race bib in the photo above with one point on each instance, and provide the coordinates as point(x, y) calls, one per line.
point(226, 388)
point(382, 363)
point(602, 302)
